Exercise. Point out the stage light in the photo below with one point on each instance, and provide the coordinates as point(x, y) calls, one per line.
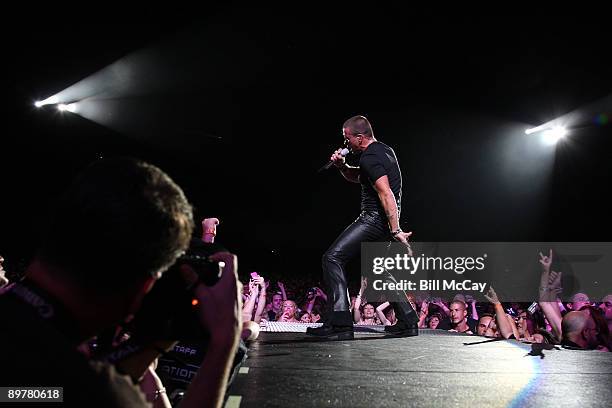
point(71, 107)
point(536, 129)
point(553, 135)
point(52, 100)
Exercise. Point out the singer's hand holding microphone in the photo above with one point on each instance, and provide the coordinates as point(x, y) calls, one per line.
point(338, 157)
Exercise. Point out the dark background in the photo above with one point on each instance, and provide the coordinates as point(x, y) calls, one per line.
point(249, 103)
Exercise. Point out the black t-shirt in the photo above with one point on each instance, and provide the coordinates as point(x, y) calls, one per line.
point(38, 343)
point(378, 160)
point(445, 324)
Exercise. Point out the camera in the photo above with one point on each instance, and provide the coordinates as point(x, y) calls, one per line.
point(168, 311)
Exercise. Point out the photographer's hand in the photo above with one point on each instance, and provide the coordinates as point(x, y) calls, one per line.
point(219, 311)
point(135, 365)
point(220, 305)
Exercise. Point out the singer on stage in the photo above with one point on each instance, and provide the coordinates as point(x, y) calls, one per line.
point(381, 192)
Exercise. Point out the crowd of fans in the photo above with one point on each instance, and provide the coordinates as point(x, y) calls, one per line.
point(580, 323)
point(189, 354)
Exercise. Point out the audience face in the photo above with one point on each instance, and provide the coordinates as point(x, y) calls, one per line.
point(457, 312)
point(277, 301)
point(579, 300)
point(590, 333)
point(580, 328)
point(368, 311)
point(524, 323)
point(483, 325)
point(434, 322)
point(289, 308)
point(306, 318)
point(606, 307)
point(487, 327)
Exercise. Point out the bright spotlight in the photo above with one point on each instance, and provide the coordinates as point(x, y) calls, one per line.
point(49, 101)
point(536, 129)
point(62, 107)
point(553, 135)
point(72, 107)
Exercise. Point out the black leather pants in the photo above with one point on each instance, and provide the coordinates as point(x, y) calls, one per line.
point(368, 227)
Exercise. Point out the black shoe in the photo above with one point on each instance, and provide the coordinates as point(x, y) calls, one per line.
point(401, 329)
point(332, 332)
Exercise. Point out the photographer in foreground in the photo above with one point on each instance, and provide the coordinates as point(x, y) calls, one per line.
point(121, 224)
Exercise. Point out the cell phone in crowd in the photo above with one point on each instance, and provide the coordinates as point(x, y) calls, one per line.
point(532, 308)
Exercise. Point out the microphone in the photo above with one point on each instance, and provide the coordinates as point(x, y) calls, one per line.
point(343, 152)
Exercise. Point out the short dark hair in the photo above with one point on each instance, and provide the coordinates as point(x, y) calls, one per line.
point(359, 125)
point(459, 302)
point(121, 220)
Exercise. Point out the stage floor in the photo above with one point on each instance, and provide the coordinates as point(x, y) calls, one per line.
point(434, 369)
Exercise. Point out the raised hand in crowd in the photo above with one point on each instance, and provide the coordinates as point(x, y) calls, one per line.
point(261, 302)
point(249, 303)
point(380, 312)
point(550, 289)
point(546, 261)
point(438, 302)
point(209, 229)
point(319, 292)
point(471, 302)
point(281, 286)
point(503, 323)
point(423, 313)
point(359, 300)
